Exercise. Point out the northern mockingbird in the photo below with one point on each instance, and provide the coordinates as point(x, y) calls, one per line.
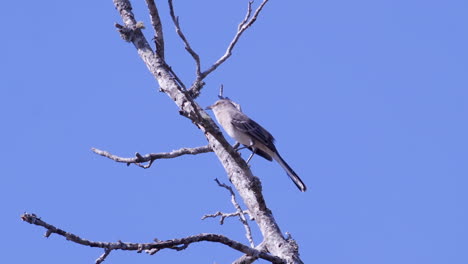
point(252, 135)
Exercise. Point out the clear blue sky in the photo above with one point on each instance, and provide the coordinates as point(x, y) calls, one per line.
point(367, 101)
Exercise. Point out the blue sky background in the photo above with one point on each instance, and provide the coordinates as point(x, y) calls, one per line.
point(367, 100)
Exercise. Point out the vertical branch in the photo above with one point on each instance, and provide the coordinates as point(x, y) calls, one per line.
point(195, 56)
point(159, 37)
point(240, 212)
point(157, 26)
point(247, 15)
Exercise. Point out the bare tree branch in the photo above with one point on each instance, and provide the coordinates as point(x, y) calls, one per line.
point(239, 173)
point(178, 243)
point(159, 37)
point(157, 26)
point(132, 31)
point(179, 81)
point(244, 25)
point(150, 158)
point(103, 256)
point(223, 215)
point(248, 186)
point(195, 56)
point(246, 259)
point(248, 231)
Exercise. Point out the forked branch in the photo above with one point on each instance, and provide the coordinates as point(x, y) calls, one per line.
point(223, 216)
point(249, 19)
point(243, 26)
point(240, 212)
point(176, 244)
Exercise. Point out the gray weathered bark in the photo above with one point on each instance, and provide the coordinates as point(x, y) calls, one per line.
point(239, 174)
point(274, 247)
point(247, 185)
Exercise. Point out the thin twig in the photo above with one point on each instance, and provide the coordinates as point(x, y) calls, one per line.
point(103, 256)
point(223, 215)
point(245, 24)
point(221, 91)
point(150, 158)
point(195, 56)
point(157, 26)
point(177, 244)
point(247, 15)
point(248, 231)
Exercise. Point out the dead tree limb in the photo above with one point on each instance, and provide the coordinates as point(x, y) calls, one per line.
point(150, 158)
point(176, 244)
point(246, 259)
point(189, 49)
point(248, 186)
point(157, 26)
point(223, 216)
point(240, 212)
point(239, 173)
point(241, 28)
point(103, 256)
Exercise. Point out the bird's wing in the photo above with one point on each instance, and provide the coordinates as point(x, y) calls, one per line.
point(256, 131)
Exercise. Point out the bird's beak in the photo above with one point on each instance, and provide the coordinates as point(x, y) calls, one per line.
point(209, 107)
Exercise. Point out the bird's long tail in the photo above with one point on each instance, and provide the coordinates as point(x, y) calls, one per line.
point(290, 172)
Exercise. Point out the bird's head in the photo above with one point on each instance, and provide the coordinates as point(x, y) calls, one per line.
point(223, 103)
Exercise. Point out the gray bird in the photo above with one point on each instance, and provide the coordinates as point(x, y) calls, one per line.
point(250, 134)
